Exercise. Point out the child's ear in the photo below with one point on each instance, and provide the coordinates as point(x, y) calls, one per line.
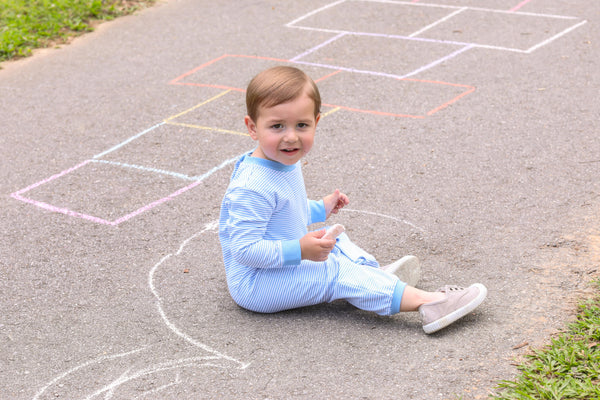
point(251, 127)
point(317, 119)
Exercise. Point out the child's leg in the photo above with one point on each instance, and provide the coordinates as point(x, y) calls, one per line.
point(368, 288)
point(413, 298)
point(311, 283)
point(276, 289)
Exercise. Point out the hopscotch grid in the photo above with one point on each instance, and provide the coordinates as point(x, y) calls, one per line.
point(459, 9)
point(62, 210)
point(337, 69)
point(491, 10)
point(196, 180)
point(180, 80)
point(97, 159)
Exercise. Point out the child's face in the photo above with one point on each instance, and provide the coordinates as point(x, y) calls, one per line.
point(285, 132)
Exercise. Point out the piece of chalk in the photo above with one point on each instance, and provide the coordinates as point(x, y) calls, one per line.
point(334, 231)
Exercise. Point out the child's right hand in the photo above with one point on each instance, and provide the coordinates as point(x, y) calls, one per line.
point(314, 247)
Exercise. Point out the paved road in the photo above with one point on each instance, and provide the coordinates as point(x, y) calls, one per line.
point(466, 136)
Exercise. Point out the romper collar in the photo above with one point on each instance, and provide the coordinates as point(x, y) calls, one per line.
point(247, 158)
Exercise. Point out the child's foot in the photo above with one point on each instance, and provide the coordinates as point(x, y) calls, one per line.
point(407, 269)
point(457, 303)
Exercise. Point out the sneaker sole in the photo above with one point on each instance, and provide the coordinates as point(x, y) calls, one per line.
point(456, 315)
point(408, 270)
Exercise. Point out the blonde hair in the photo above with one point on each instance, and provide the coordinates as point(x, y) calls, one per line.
point(279, 85)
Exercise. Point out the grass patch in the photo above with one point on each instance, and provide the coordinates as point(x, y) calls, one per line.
point(569, 368)
point(29, 24)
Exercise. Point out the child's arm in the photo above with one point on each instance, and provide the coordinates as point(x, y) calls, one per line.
point(244, 232)
point(335, 202)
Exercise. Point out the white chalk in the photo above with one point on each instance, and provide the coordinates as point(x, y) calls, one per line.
point(334, 231)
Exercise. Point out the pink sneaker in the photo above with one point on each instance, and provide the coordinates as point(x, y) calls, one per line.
point(458, 303)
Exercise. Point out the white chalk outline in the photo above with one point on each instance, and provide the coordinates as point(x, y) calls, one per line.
point(196, 362)
point(386, 216)
point(211, 226)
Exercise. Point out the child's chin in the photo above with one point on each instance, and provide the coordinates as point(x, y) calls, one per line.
point(290, 157)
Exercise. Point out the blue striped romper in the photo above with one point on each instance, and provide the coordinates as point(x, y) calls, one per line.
point(264, 213)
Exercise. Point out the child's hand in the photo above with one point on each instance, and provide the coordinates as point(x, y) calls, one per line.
point(335, 202)
point(314, 248)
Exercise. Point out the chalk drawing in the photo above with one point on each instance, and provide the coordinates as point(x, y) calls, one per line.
point(518, 6)
point(457, 11)
point(209, 227)
point(196, 180)
point(302, 22)
point(214, 358)
point(387, 217)
point(336, 70)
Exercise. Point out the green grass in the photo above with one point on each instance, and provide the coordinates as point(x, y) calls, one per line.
point(568, 368)
point(29, 24)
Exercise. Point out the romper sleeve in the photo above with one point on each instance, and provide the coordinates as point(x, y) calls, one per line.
point(249, 215)
point(316, 211)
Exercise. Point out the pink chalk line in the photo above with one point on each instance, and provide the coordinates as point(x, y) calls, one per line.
point(18, 196)
point(518, 6)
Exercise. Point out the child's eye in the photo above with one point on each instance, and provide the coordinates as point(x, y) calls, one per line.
point(277, 126)
point(303, 125)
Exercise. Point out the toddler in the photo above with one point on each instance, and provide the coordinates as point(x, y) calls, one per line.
point(272, 261)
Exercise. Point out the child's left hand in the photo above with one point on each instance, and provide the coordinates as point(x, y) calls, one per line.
point(335, 202)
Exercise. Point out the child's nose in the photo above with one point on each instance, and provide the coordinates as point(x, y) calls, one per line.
point(291, 135)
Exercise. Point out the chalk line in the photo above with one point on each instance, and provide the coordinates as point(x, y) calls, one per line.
point(386, 216)
point(353, 70)
point(318, 10)
point(208, 128)
point(545, 42)
point(60, 210)
point(125, 377)
point(518, 6)
point(161, 388)
point(53, 177)
point(317, 47)
point(85, 364)
point(197, 180)
point(208, 227)
point(328, 113)
point(18, 196)
point(198, 105)
point(147, 169)
point(128, 141)
point(437, 62)
point(439, 21)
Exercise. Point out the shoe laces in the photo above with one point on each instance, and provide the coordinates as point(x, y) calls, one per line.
point(451, 288)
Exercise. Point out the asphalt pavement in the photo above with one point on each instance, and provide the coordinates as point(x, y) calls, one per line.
point(465, 132)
